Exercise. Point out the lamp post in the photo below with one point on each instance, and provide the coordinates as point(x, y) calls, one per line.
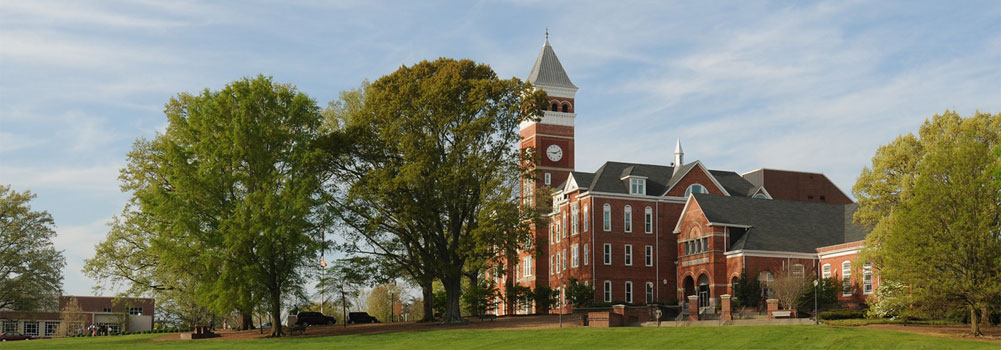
point(816, 317)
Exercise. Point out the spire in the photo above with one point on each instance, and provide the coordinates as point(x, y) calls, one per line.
point(548, 71)
point(679, 157)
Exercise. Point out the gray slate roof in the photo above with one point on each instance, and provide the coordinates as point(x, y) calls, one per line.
point(780, 225)
point(608, 178)
point(548, 70)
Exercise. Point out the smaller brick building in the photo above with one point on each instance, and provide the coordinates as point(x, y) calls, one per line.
point(121, 314)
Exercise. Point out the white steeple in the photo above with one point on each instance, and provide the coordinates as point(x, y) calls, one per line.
point(679, 157)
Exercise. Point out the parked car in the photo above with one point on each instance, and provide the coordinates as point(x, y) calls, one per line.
point(14, 336)
point(266, 325)
point(314, 318)
point(361, 317)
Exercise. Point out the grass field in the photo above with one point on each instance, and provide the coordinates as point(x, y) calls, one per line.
point(763, 337)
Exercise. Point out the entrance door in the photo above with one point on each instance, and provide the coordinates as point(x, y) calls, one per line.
point(703, 296)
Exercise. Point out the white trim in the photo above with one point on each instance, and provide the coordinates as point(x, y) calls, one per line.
point(766, 193)
point(557, 91)
point(552, 118)
point(633, 176)
point(840, 249)
point(704, 170)
point(711, 223)
point(769, 254)
point(835, 255)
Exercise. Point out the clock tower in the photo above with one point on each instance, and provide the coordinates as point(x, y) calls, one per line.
point(552, 138)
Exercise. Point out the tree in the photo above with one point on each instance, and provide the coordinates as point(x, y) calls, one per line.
point(232, 192)
point(430, 146)
point(788, 289)
point(30, 266)
point(933, 202)
point(544, 298)
point(747, 291)
point(826, 294)
point(71, 318)
point(479, 298)
point(579, 294)
point(381, 301)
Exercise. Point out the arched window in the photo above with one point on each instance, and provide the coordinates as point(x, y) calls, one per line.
point(648, 220)
point(760, 196)
point(566, 108)
point(695, 188)
point(628, 216)
point(555, 107)
point(607, 225)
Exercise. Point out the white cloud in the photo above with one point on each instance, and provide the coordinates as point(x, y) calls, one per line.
point(77, 243)
point(99, 178)
point(10, 142)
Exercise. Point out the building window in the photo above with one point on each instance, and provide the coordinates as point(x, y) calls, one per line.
point(705, 244)
point(585, 218)
point(31, 328)
point(826, 271)
point(566, 108)
point(608, 291)
point(526, 271)
point(629, 255)
point(585, 254)
point(629, 292)
point(564, 230)
point(51, 328)
point(628, 216)
point(107, 309)
point(846, 278)
point(867, 278)
point(649, 292)
point(552, 263)
point(637, 186)
point(548, 178)
point(574, 215)
point(608, 217)
point(649, 255)
point(695, 188)
point(557, 262)
point(528, 188)
point(760, 196)
point(798, 271)
point(608, 254)
point(574, 257)
point(555, 107)
point(564, 259)
point(135, 311)
point(9, 326)
point(648, 220)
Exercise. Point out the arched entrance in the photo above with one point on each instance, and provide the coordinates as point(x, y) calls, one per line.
point(703, 290)
point(689, 286)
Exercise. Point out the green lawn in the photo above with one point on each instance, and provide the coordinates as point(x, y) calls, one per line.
point(743, 337)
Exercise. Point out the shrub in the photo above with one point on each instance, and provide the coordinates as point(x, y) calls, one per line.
point(842, 314)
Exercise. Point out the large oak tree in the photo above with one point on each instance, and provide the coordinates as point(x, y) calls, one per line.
point(934, 204)
point(30, 266)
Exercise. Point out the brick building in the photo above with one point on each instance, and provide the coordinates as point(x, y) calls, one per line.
point(124, 314)
point(644, 233)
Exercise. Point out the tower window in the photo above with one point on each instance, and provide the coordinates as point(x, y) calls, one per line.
point(555, 107)
point(566, 108)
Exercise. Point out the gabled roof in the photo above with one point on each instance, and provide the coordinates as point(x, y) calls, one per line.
point(548, 70)
point(583, 179)
point(685, 169)
point(781, 225)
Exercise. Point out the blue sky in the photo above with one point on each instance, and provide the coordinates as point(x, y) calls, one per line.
point(745, 85)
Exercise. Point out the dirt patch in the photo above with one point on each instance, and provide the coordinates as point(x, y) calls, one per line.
point(501, 323)
point(991, 334)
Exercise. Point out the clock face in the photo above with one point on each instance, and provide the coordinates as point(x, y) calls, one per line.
point(554, 152)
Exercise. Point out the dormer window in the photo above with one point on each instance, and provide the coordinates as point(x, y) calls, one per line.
point(695, 188)
point(637, 186)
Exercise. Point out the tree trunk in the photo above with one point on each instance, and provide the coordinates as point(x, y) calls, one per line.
point(247, 320)
point(975, 322)
point(453, 291)
point(428, 292)
point(276, 314)
point(985, 317)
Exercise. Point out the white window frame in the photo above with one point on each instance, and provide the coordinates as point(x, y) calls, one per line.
point(627, 216)
point(25, 331)
point(826, 271)
point(607, 216)
point(649, 292)
point(648, 220)
point(798, 271)
point(564, 259)
point(629, 292)
point(608, 253)
point(526, 267)
point(691, 188)
point(552, 258)
point(51, 328)
point(608, 291)
point(637, 186)
point(549, 178)
point(574, 256)
point(585, 219)
point(574, 217)
point(564, 230)
point(867, 279)
point(628, 254)
point(648, 255)
point(585, 255)
point(846, 278)
point(9, 326)
point(135, 310)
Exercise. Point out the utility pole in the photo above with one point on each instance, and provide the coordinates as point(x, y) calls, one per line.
point(344, 307)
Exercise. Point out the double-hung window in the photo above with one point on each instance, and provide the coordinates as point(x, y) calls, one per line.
point(585, 219)
point(574, 257)
point(608, 291)
point(585, 255)
point(826, 271)
point(608, 253)
point(648, 220)
point(648, 256)
point(798, 271)
point(629, 255)
point(867, 278)
point(649, 292)
point(628, 216)
point(564, 259)
point(629, 292)
point(607, 216)
point(527, 267)
point(564, 232)
point(637, 186)
point(846, 278)
point(574, 216)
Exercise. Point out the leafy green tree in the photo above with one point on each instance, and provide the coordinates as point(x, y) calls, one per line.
point(545, 298)
point(747, 291)
point(826, 290)
point(932, 202)
point(479, 298)
point(429, 147)
point(30, 266)
point(579, 294)
point(381, 301)
point(233, 192)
